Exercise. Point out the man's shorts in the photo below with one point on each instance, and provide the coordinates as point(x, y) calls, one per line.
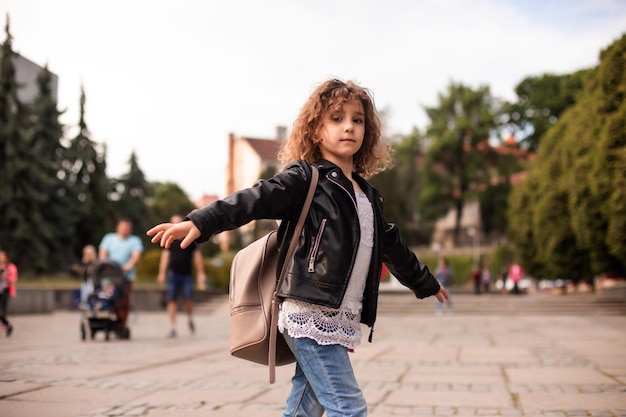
point(179, 286)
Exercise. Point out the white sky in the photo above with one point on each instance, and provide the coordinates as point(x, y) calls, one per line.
point(170, 79)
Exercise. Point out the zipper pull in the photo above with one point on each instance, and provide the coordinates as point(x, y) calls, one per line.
point(311, 265)
point(371, 336)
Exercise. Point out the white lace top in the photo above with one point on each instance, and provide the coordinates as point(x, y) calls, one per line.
point(329, 326)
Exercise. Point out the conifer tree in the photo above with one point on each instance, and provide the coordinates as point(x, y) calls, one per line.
point(48, 152)
point(21, 197)
point(132, 193)
point(9, 134)
point(85, 170)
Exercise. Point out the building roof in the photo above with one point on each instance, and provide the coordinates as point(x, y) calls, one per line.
point(267, 149)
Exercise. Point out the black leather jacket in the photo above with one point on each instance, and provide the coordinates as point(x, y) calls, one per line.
point(327, 248)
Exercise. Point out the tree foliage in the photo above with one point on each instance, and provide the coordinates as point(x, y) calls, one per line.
point(169, 199)
point(9, 136)
point(47, 152)
point(400, 188)
point(458, 160)
point(540, 102)
point(54, 193)
point(569, 214)
point(132, 192)
point(21, 198)
point(85, 171)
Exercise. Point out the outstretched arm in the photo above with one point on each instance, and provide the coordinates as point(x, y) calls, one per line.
point(166, 233)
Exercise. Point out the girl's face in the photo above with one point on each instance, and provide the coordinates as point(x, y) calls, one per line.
point(342, 133)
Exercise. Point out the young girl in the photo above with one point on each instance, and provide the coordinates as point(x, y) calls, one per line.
point(332, 284)
point(8, 278)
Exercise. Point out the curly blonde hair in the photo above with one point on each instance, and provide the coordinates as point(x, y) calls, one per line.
point(375, 154)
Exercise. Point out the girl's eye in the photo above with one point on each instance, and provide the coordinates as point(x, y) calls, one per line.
point(357, 120)
point(336, 119)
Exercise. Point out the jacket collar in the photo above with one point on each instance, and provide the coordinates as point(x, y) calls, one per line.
point(326, 167)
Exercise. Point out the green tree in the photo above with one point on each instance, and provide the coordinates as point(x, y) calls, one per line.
point(457, 161)
point(169, 199)
point(132, 191)
point(85, 172)
point(595, 143)
point(493, 198)
point(10, 138)
point(47, 153)
point(23, 180)
point(575, 199)
point(540, 102)
point(520, 213)
point(559, 254)
point(401, 201)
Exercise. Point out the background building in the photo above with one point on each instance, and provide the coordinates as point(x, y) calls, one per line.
point(250, 159)
point(26, 73)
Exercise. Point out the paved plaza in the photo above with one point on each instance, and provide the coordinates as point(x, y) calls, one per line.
point(496, 355)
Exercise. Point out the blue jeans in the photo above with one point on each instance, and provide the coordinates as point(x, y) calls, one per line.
point(324, 380)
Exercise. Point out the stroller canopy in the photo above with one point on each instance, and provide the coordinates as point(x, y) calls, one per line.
point(108, 269)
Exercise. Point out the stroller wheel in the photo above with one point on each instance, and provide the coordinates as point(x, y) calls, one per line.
point(83, 332)
point(106, 335)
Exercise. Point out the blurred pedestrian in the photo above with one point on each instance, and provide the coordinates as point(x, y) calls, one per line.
point(8, 279)
point(502, 279)
point(476, 278)
point(485, 278)
point(175, 270)
point(125, 249)
point(445, 277)
point(516, 274)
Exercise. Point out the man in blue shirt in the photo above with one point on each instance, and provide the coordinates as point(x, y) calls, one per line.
point(125, 249)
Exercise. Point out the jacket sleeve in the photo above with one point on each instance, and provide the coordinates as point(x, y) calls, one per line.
point(274, 198)
point(405, 266)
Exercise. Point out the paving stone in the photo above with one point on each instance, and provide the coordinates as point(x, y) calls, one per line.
point(466, 364)
point(547, 401)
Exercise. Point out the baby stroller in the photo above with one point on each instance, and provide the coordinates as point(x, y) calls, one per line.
point(107, 289)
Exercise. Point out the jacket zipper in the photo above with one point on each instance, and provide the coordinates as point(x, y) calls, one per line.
point(316, 245)
point(319, 234)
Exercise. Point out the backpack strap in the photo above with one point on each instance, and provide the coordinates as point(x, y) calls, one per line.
point(290, 251)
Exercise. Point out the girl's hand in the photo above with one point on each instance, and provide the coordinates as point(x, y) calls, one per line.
point(166, 233)
point(442, 295)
